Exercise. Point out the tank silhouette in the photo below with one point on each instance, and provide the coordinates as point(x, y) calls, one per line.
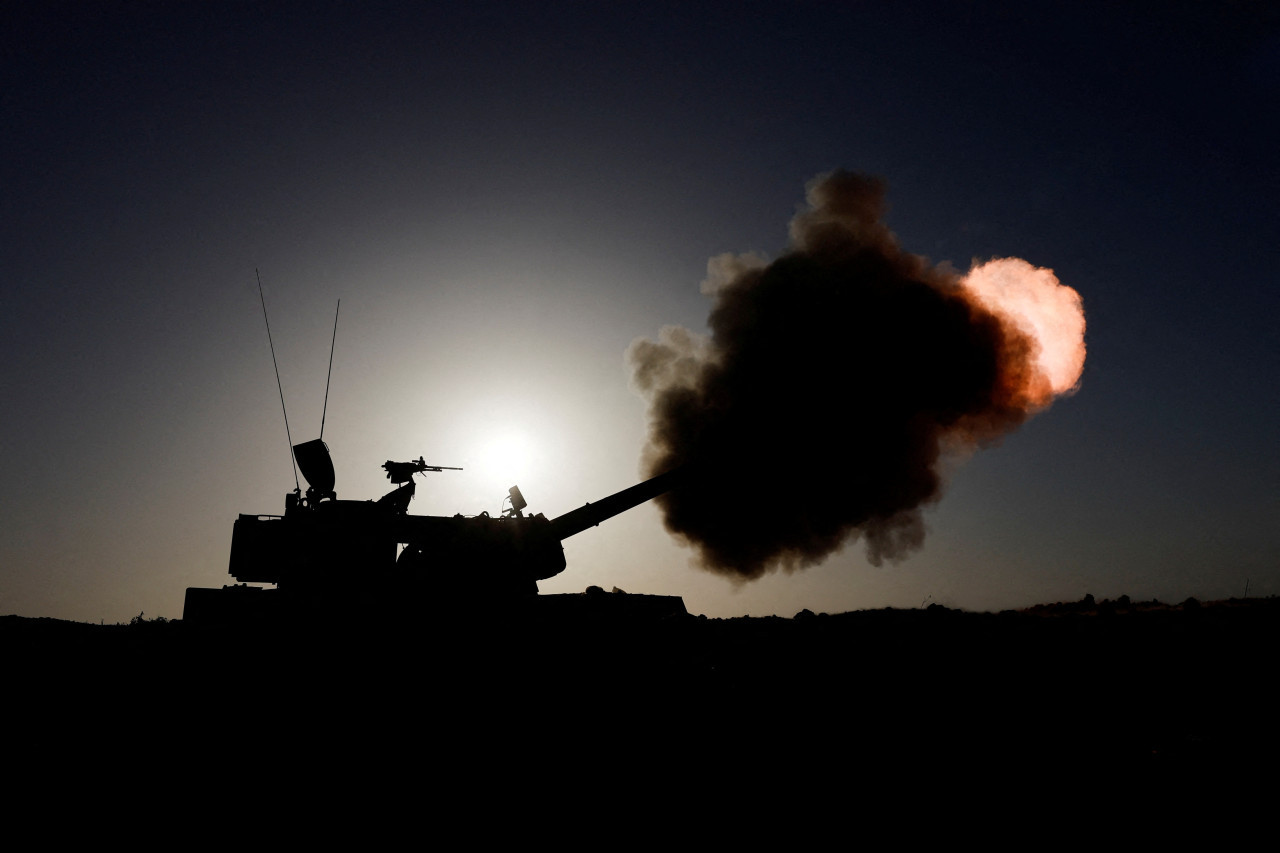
point(330, 557)
point(325, 555)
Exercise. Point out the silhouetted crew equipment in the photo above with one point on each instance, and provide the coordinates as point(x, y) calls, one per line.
point(402, 472)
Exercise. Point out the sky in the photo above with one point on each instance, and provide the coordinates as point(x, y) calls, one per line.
point(506, 196)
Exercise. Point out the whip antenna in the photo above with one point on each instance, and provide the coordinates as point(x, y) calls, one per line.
point(296, 484)
point(330, 376)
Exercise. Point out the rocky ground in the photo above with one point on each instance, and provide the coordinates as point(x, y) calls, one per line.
point(1116, 693)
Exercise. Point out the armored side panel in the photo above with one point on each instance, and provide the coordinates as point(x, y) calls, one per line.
point(481, 554)
point(336, 541)
point(231, 605)
point(261, 549)
point(342, 540)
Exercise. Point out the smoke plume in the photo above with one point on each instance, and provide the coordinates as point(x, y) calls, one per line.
point(836, 379)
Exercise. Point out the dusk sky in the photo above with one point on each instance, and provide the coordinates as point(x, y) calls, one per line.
point(506, 195)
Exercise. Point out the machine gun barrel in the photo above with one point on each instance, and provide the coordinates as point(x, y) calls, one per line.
point(577, 520)
point(402, 472)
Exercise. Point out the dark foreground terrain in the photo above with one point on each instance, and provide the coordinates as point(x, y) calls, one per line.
point(1107, 695)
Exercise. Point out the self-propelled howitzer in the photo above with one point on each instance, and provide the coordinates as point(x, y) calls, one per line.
point(324, 551)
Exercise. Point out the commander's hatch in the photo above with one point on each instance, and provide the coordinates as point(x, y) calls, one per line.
point(317, 469)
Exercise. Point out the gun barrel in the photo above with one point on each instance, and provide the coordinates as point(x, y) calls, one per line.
point(577, 520)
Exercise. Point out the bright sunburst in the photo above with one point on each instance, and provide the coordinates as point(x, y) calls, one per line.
point(504, 456)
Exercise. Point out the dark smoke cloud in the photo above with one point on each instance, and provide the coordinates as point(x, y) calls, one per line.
point(834, 381)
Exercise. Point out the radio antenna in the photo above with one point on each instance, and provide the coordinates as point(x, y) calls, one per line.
point(276, 364)
point(330, 376)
